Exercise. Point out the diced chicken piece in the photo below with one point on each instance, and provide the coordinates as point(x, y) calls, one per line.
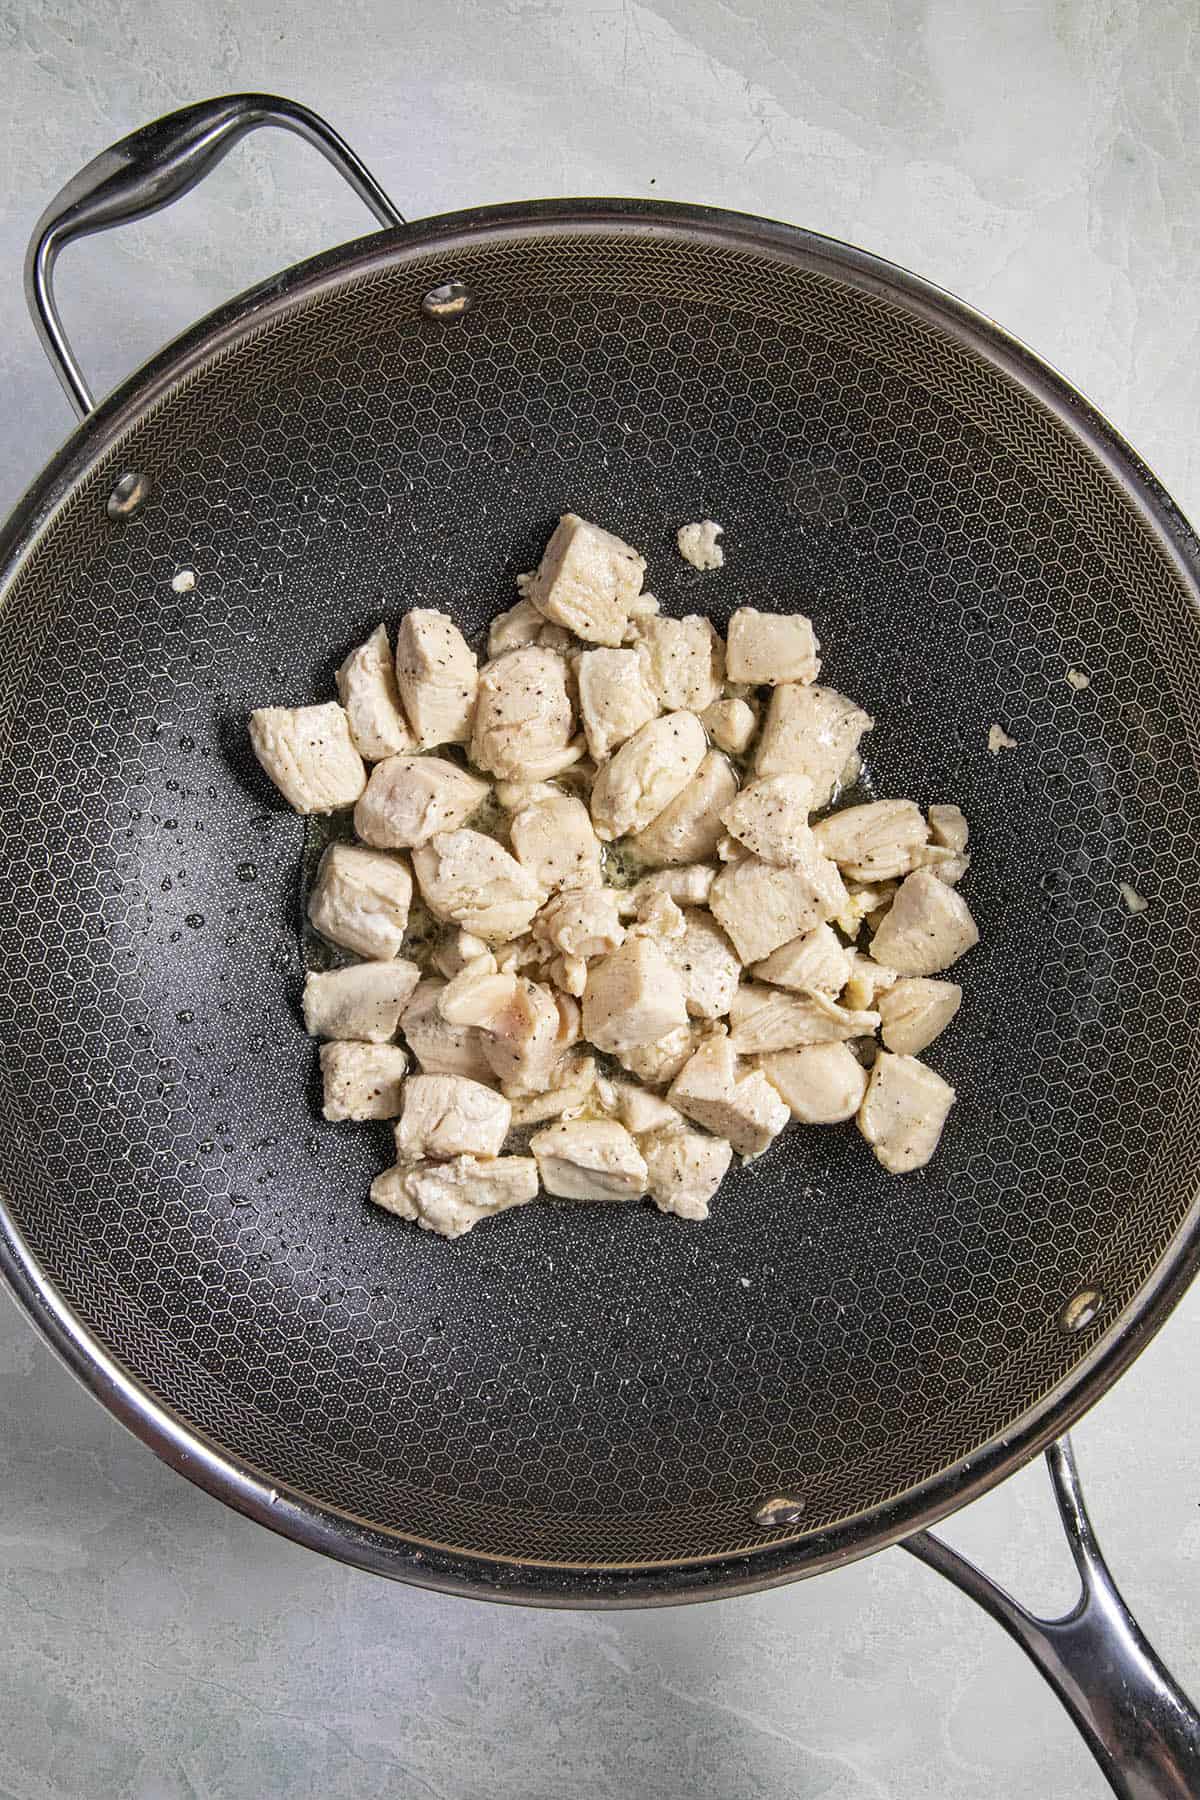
point(821, 1084)
point(729, 850)
point(554, 840)
point(657, 917)
point(946, 853)
point(864, 902)
point(730, 724)
point(450, 1115)
point(525, 1026)
point(569, 973)
point(762, 907)
point(439, 1047)
point(814, 963)
point(810, 731)
point(437, 677)
point(875, 842)
point(587, 581)
point(310, 756)
point(688, 885)
point(915, 1011)
point(687, 830)
point(646, 773)
point(556, 638)
point(615, 699)
point(865, 981)
point(660, 1062)
point(706, 964)
point(641, 609)
point(771, 648)
point(362, 1081)
point(634, 996)
point(764, 1018)
point(363, 1003)
point(409, 799)
point(456, 950)
point(523, 718)
point(572, 1084)
point(948, 865)
point(770, 817)
point(513, 795)
point(513, 629)
point(467, 877)
point(684, 1170)
point(366, 684)
point(927, 928)
point(584, 922)
point(360, 900)
point(452, 1197)
point(741, 1107)
point(589, 1159)
point(684, 661)
point(903, 1112)
point(640, 1111)
point(697, 544)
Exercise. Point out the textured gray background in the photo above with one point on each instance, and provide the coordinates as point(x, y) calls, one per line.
point(1041, 160)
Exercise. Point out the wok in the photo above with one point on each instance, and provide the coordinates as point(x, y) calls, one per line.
point(597, 1406)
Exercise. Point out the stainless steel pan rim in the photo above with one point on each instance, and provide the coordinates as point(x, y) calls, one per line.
point(1116, 1340)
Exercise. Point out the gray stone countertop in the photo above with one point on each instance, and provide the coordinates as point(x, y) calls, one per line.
point(1040, 160)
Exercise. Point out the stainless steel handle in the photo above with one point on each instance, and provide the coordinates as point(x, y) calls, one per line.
point(1138, 1722)
point(149, 169)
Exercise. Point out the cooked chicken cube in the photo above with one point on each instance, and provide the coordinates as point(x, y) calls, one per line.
point(875, 842)
point(903, 1112)
point(584, 922)
point(360, 900)
point(822, 1084)
point(657, 917)
point(409, 799)
point(309, 754)
point(689, 885)
point(684, 661)
point(646, 773)
point(688, 828)
point(437, 677)
point(571, 1087)
point(927, 927)
point(452, 1197)
point(946, 853)
point(761, 906)
point(915, 1011)
point(765, 1018)
point(513, 629)
point(730, 724)
point(363, 1003)
point(816, 962)
point(615, 699)
point(366, 684)
point(587, 581)
point(771, 648)
point(634, 996)
point(640, 1111)
point(523, 717)
point(741, 1107)
point(439, 1047)
point(554, 840)
point(864, 903)
point(810, 731)
point(589, 1159)
point(525, 1026)
point(362, 1081)
point(467, 877)
point(684, 1169)
point(697, 544)
point(706, 964)
point(865, 980)
point(450, 1115)
point(660, 1062)
point(770, 817)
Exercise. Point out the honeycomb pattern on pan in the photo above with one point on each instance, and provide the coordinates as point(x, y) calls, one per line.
point(594, 1386)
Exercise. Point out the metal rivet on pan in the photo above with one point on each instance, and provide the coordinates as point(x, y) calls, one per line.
point(1080, 1311)
point(129, 495)
point(450, 301)
point(781, 1509)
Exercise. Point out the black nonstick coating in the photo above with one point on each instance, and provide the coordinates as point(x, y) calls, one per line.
point(596, 1387)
